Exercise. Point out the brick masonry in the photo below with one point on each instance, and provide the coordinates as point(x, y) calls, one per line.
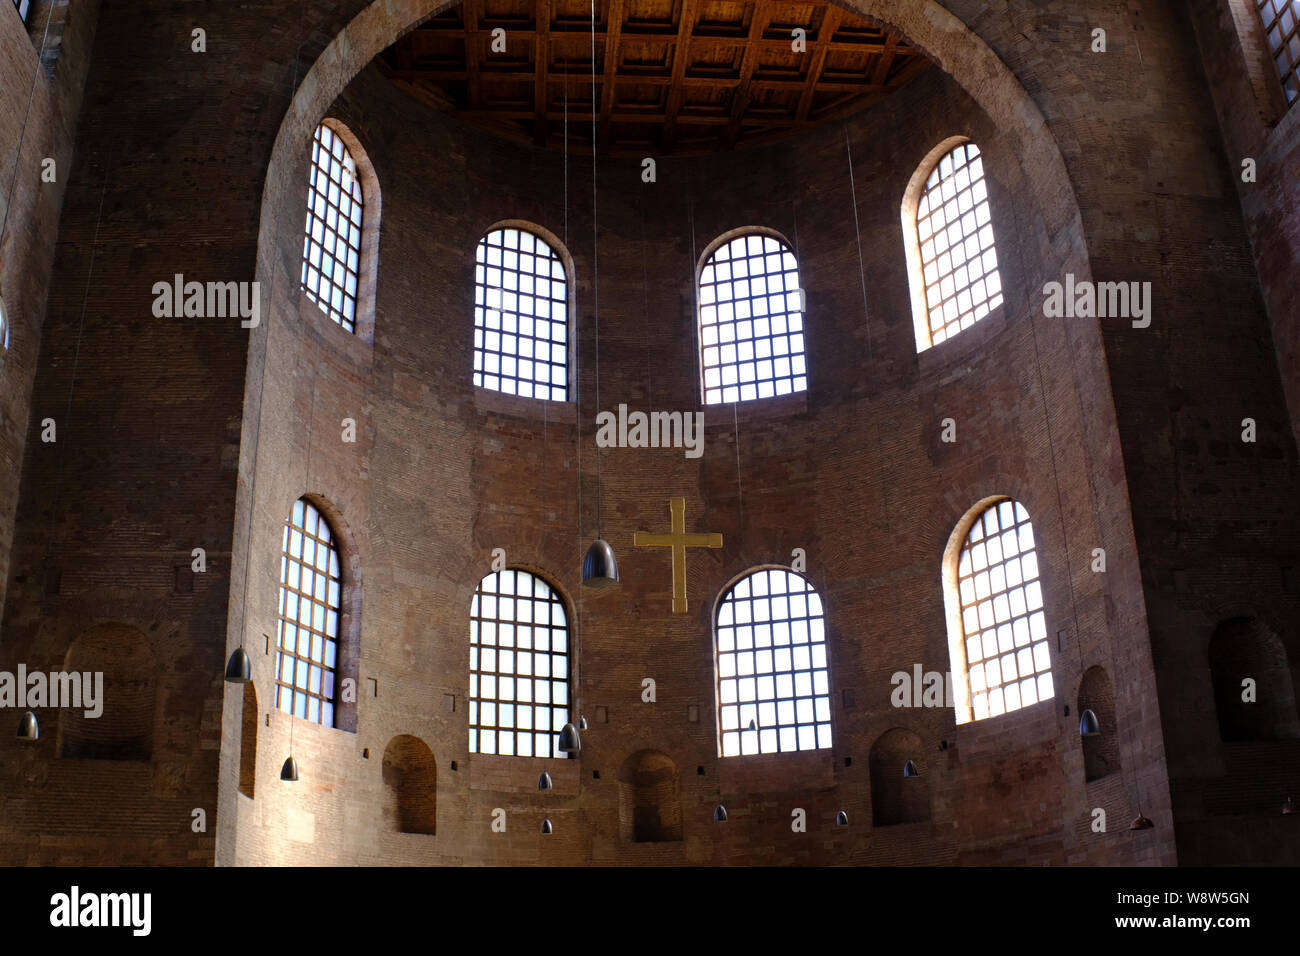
point(187, 433)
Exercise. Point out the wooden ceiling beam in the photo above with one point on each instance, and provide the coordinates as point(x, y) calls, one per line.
point(613, 25)
point(434, 77)
point(830, 23)
point(885, 60)
point(474, 93)
point(541, 125)
point(681, 55)
point(758, 23)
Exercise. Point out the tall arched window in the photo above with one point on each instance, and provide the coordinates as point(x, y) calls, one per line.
point(751, 321)
point(518, 666)
point(521, 316)
point(953, 265)
point(1282, 27)
point(310, 589)
point(772, 672)
point(331, 250)
point(998, 629)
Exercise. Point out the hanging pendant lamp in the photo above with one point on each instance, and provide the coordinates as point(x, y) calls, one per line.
point(1288, 807)
point(570, 743)
point(29, 731)
point(720, 814)
point(909, 770)
point(841, 819)
point(1140, 822)
point(544, 781)
point(600, 568)
point(239, 669)
point(582, 722)
point(1088, 725)
point(289, 772)
point(547, 829)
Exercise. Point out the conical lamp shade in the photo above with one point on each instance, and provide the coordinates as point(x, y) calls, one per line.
point(289, 771)
point(239, 669)
point(841, 819)
point(909, 770)
point(28, 729)
point(569, 740)
point(1288, 807)
point(600, 569)
point(1141, 823)
point(546, 827)
point(544, 781)
point(720, 814)
point(582, 723)
point(1088, 726)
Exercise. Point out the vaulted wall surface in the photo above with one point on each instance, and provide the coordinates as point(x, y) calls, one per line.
point(1111, 436)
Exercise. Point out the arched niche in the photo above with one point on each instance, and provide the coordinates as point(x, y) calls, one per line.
point(895, 797)
point(1246, 649)
point(649, 798)
point(1100, 752)
point(410, 786)
point(248, 742)
point(124, 729)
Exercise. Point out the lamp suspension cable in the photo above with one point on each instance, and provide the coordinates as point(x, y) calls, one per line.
point(595, 251)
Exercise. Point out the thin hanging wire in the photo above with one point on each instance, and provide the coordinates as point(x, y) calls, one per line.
point(261, 383)
point(595, 251)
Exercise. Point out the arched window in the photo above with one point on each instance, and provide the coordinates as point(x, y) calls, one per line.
point(518, 666)
point(751, 321)
point(773, 677)
point(1243, 650)
point(310, 588)
point(1282, 27)
point(998, 640)
point(331, 250)
point(953, 265)
point(521, 316)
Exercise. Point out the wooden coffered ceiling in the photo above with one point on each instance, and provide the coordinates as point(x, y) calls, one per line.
point(672, 76)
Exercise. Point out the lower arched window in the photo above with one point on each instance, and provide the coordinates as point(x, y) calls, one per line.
point(772, 672)
point(310, 602)
point(1000, 656)
point(518, 666)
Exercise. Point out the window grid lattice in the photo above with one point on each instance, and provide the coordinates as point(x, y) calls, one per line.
point(1003, 622)
point(959, 264)
point(331, 252)
point(1282, 26)
point(521, 316)
point(309, 617)
point(751, 322)
point(519, 667)
point(772, 666)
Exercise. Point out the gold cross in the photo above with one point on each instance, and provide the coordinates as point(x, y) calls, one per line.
point(679, 541)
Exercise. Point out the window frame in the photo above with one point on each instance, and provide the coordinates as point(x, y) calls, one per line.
point(561, 252)
point(1290, 76)
point(909, 210)
point(473, 696)
point(959, 664)
point(24, 10)
point(718, 677)
point(363, 318)
point(706, 259)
